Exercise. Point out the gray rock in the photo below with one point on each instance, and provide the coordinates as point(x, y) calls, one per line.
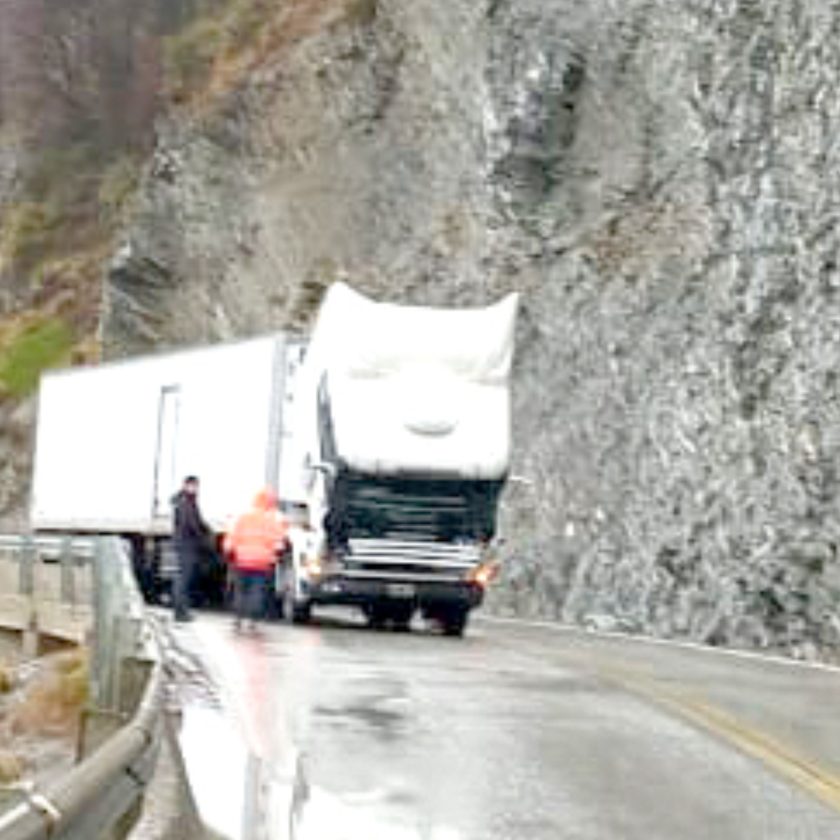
point(17, 422)
point(659, 180)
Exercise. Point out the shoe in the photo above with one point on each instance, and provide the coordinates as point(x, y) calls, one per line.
point(183, 619)
point(237, 625)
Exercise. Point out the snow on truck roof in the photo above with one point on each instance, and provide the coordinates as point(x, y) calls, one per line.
point(413, 389)
point(361, 337)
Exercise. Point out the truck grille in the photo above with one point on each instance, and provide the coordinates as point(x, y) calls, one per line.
point(410, 560)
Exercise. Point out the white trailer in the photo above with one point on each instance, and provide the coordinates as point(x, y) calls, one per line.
point(114, 441)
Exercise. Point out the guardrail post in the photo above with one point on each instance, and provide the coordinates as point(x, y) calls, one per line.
point(26, 559)
point(28, 556)
point(68, 589)
point(127, 647)
point(134, 674)
point(102, 679)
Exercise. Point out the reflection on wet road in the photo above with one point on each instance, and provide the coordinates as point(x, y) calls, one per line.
point(509, 733)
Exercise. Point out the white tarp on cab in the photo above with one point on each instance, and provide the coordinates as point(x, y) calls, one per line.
point(413, 389)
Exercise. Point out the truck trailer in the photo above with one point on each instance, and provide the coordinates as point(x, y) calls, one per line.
point(402, 444)
point(115, 440)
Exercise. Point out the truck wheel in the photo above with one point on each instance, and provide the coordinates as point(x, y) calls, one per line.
point(454, 621)
point(376, 617)
point(401, 617)
point(301, 613)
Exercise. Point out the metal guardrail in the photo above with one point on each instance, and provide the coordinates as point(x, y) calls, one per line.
point(45, 585)
point(101, 796)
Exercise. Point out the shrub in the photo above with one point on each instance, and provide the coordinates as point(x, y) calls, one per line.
point(59, 199)
point(28, 231)
point(11, 767)
point(63, 175)
point(228, 37)
point(189, 55)
point(361, 11)
point(53, 702)
point(37, 347)
point(6, 679)
point(245, 22)
point(119, 182)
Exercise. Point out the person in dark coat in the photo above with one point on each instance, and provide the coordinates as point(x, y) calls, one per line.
point(191, 535)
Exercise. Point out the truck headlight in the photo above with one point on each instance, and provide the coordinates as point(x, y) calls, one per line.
point(484, 574)
point(313, 567)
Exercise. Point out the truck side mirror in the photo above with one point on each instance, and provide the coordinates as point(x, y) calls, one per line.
point(520, 479)
point(324, 467)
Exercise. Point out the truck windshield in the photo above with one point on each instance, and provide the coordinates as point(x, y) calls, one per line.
point(413, 509)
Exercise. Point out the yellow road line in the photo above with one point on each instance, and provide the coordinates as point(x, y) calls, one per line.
point(820, 782)
point(807, 775)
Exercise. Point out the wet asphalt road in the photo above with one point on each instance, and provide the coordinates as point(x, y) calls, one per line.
point(513, 732)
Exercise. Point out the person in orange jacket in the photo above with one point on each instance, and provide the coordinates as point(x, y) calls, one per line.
point(252, 546)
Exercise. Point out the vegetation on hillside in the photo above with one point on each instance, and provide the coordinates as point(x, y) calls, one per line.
point(40, 711)
point(37, 347)
point(51, 703)
point(80, 89)
point(6, 678)
point(222, 47)
point(90, 117)
point(53, 240)
point(11, 767)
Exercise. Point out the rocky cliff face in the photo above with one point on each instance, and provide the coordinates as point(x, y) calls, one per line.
point(80, 86)
point(659, 180)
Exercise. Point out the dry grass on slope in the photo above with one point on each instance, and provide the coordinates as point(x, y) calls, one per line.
point(55, 237)
point(40, 709)
point(11, 764)
point(7, 679)
point(219, 50)
point(11, 767)
point(50, 704)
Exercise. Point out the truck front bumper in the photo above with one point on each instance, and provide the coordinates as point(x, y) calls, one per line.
point(351, 591)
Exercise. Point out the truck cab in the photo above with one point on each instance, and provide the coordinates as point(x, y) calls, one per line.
point(404, 438)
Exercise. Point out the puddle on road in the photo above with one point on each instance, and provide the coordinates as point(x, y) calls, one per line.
point(386, 716)
point(249, 780)
point(378, 815)
point(239, 796)
point(217, 767)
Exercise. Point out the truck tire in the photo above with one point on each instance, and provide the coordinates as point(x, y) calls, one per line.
point(400, 615)
point(454, 621)
point(301, 613)
point(376, 617)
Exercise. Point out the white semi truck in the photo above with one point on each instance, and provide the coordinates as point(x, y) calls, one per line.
point(114, 442)
point(389, 431)
point(402, 439)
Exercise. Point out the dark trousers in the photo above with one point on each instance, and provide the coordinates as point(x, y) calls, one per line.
point(184, 574)
point(251, 587)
